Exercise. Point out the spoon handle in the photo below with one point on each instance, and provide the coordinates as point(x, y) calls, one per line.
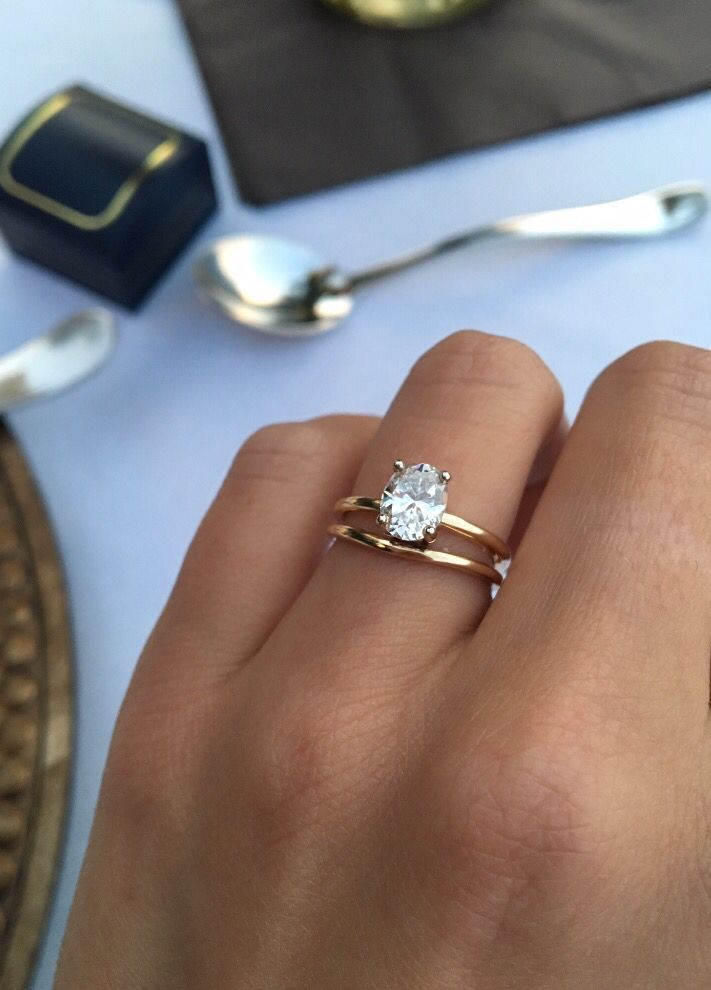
point(649, 214)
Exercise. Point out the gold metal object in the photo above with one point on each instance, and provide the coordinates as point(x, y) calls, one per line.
point(420, 548)
point(35, 714)
point(441, 557)
point(496, 547)
point(85, 221)
point(405, 13)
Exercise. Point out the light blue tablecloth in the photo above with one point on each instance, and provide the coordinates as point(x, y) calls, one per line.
point(128, 462)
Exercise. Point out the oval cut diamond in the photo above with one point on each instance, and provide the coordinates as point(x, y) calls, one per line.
point(414, 501)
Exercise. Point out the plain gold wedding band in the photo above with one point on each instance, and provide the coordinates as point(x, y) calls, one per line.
point(440, 557)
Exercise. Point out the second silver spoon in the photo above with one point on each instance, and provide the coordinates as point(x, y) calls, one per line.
point(57, 360)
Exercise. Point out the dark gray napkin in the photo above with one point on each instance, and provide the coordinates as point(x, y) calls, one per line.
point(308, 99)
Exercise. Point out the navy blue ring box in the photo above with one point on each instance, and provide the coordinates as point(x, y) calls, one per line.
point(102, 194)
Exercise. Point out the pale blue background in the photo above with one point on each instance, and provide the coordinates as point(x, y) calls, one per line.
point(129, 461)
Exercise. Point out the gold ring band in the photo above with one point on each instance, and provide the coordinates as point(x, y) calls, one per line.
point(411, 512)
point(440, 557)
point(496, 547)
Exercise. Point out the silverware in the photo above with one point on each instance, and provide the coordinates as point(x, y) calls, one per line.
point(283, 288)
point(57, 360)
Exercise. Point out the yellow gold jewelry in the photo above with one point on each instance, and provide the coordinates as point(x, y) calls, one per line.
point(415, 553)
point(404, 13)
point(411, 511)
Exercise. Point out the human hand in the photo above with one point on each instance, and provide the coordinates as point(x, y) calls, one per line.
point(348, 771)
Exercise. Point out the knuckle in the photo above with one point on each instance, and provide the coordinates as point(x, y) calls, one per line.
point(298, 770)
point(522, 810)
point(159, 743)
point(471, 358)
point(667, 381)
point(654, 405)
point(341, 423)
point(145, 781)
point(663, 354)
point(272, 453)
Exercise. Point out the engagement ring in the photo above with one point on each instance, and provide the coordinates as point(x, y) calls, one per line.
point(411, 512)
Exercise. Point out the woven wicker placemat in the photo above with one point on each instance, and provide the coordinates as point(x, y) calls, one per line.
point(35, 714)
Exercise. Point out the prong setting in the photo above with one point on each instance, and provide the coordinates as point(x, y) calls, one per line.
point(445, 476)
point(414, 502)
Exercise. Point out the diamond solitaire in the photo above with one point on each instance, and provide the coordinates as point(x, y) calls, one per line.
point(411, 511)
point(414, 502)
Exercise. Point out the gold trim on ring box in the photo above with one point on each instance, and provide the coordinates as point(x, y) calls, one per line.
point(75, 218)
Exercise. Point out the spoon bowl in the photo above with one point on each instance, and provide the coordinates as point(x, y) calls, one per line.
point(273, 285)
point(685, 206)
point(55, 361)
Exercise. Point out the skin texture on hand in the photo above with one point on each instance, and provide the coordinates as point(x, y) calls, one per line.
point(335, 770)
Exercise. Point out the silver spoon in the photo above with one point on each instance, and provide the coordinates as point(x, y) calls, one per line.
point(282, 288)
point(56, 360)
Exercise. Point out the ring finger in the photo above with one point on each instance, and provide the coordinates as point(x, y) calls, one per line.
point(480, 407)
